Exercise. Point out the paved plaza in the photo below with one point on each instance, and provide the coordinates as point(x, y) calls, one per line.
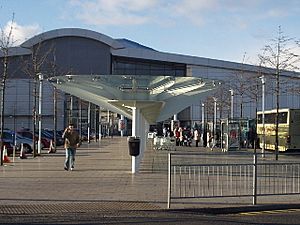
point(101, 181)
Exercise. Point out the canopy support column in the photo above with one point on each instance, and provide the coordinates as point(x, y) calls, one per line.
point(138, 130)
point(135, 132)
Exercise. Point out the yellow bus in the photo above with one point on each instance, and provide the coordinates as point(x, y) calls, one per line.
point(288, 129)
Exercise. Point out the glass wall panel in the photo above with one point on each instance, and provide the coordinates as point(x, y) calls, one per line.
point(123, 65)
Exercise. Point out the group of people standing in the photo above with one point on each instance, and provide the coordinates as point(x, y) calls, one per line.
point(184, 136)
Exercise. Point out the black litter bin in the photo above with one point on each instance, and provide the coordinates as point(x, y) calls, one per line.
point(134, 146)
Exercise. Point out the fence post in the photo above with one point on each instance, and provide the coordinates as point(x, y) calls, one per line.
point(169, 180)
point(254, 178)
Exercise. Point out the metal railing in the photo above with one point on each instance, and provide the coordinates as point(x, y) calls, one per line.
point(189, 179)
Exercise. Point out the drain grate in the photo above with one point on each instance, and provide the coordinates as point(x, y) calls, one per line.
point(75, 207)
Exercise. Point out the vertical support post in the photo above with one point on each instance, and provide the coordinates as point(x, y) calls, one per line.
point(169, 180)
point(15, 135)
point(54, 118)
point(215, 122)
point(108, 123)
point(143, 138)
point(231, 103)
point(95, 122)
point(227, 136)
point(135, 132)
point(40, 113)
point(121, 128)
point(100, 126)
point(254, 179)
point(80, 118)
point(71, 110)
point(202, 125)
point(175, 117)
point(89, 123)
point(263, 81)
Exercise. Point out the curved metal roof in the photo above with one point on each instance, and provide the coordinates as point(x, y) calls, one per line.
point(72, 32)
point(157, 97)
point(128, 48)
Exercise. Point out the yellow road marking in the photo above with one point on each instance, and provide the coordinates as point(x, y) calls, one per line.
point(269, 212)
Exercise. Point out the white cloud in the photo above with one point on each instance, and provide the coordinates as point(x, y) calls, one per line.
point(186, 7)
point(113, 12)
point(273, 12)
point(21, 33)
point(193, 10)
point(137, 12)
point(239, 14)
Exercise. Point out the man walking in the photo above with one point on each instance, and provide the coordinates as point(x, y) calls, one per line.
point(72, 141)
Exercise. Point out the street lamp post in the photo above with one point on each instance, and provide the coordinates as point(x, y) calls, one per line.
point(100, 126)
point(89, 123)
point(215, 123)
point(231, 103)
point(203, 125)
point(263, 81)
point(41, 77)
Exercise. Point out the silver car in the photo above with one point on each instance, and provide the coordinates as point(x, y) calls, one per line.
point(18, 140)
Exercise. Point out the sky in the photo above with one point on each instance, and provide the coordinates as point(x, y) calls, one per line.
point(230, 30)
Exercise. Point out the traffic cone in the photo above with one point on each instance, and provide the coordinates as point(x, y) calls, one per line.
point(22, 153)
point(5, 156)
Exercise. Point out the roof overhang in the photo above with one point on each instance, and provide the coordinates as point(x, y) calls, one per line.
point(77, 32)
point(157, 97)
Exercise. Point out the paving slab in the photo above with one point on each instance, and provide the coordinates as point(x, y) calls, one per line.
point(102, 180)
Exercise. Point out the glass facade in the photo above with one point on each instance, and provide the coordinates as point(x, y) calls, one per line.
point(132, 66)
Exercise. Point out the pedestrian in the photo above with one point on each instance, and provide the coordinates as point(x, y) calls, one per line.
point(181, 137)
point(196, 137)
point(165, 132)
point(177, 136)
point(72, 142)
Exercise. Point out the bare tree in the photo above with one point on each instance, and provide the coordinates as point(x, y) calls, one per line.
point(33, 67)
point(6, 41)
point(242, 85)
point(279, 56)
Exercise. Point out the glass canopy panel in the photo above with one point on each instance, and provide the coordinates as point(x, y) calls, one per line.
point(158, 97)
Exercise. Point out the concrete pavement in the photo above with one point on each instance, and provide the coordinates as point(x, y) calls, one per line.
point(102, 174)
point(101, 181)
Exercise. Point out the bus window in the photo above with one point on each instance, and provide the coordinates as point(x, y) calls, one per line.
point(259, 118)
point(283, 117)
point(288, 126)
point(270, 118)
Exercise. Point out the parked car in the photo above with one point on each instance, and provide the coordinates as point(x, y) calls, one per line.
point(50, 134)
point(18, 140)
point(29, 134)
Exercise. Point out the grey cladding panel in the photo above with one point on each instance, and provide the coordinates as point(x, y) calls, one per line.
point(82, 56)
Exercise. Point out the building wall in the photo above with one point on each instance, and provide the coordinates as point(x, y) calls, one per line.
point(65, 55)
point(79, 55)
point(19, 104)
point(289, 92)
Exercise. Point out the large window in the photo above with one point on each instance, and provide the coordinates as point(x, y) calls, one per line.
point(270, 118)
point(129, 66)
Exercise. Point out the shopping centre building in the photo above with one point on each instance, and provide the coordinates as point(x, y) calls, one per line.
point(84, 52)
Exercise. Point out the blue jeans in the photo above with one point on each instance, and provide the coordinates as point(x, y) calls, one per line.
point(70, 157)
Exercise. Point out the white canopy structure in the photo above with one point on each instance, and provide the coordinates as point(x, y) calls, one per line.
point(157, 97)
point(140, 98)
